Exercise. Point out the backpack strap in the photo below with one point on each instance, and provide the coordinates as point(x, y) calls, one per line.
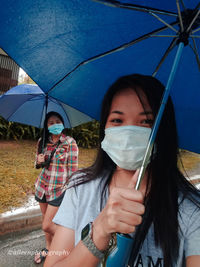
point(47, 163)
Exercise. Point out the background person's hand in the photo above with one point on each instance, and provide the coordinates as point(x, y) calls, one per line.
point(40, 158)
point(122, 213)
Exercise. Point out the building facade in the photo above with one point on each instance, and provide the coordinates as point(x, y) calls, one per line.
point(9, 72)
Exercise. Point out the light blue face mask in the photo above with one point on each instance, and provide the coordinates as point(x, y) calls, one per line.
point(126, 145)
point(56, 128)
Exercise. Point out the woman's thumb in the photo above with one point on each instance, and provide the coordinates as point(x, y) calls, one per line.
point(133, 180)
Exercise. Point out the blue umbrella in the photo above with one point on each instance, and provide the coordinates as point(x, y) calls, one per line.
point(28, 104)
point(75, 49)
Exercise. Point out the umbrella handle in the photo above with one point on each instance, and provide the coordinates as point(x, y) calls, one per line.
point(45, 112)
point(120, 253)
point(159, 115)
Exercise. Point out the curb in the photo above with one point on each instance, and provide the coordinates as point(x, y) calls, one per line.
point(27, 220)
point(31, 218)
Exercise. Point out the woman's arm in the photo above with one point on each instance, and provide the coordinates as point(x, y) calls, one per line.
point(193, 261)
point(39, 158)
point(122, 214)
point(72, 160)
point(63, 253)
point(192, 235)
point(62, 244)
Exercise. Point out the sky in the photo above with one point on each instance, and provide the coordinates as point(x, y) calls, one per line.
point(22, 74)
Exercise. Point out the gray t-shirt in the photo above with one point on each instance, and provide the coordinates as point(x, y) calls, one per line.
point(81, 205)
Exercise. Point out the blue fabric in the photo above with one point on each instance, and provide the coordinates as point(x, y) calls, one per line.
point(26, 104)
point(49, 39)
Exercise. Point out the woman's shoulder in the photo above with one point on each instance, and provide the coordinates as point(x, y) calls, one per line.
point(188, 218)
point(189, 202)
point(80, 182)
point(189, 207)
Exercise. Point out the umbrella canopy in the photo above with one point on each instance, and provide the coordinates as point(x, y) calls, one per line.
point(75, 49)
point(26, 103)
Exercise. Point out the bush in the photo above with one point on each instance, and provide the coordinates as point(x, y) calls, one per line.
point(12, 130)
point(86, 135)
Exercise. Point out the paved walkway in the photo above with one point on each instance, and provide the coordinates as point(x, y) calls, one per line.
point(20, 237)
point(29, 217)
point(19, 250)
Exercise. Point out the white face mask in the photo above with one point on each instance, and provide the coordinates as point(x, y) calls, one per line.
point(126, 145)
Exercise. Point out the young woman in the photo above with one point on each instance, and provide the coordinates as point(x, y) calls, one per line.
point(58, 160)
point(162, 216)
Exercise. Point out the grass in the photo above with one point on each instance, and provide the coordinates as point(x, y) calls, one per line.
point(17, 173)
point(189, 160)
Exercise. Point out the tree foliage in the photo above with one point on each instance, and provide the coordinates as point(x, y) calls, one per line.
point(12, 130)
point(86, 135)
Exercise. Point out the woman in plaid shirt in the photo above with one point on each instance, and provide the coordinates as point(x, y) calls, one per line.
point(58, 160)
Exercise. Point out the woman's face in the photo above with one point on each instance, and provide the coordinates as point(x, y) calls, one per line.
point(126, 109)
point(53, 120)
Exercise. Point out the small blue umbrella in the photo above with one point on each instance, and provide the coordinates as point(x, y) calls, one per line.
point(28, 104)
point(75, 49)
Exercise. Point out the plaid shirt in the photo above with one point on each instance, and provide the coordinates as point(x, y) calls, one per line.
point(52, 181)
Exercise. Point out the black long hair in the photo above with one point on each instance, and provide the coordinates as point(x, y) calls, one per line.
point(165, 181)
point(45, 133)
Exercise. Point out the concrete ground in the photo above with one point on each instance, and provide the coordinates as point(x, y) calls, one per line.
point(21, 235)
point(18, 250)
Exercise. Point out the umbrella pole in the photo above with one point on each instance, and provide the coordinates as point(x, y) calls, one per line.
point(159, 115)
point(45, 108)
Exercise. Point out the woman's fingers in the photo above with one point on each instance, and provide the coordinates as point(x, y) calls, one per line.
point(40, 158)
point(126, 194)
point(127, 200)
point(123, 211)
point(124, 206)
point(123, 221)
point(133, 180)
